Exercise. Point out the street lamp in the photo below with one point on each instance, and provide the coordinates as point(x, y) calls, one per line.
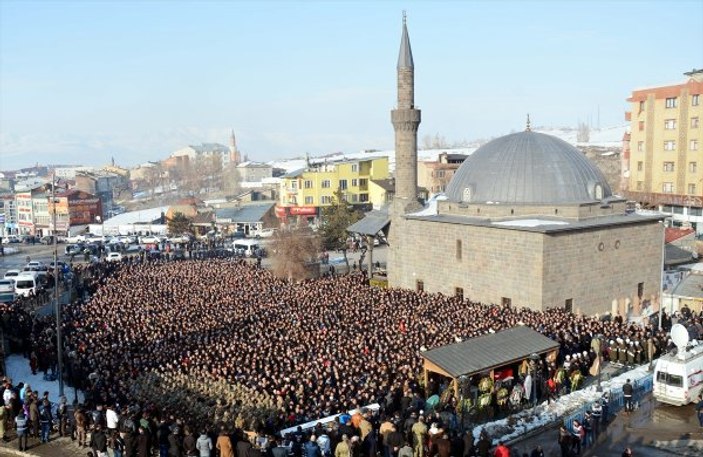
point(534, 358)
point(57, 304)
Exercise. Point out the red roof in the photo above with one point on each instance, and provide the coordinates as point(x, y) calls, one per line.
point(673, 233)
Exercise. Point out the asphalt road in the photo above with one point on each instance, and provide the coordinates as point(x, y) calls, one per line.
point(38, 252)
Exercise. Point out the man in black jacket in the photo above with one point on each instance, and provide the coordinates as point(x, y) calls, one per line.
point(627, 391)
point(98, 441)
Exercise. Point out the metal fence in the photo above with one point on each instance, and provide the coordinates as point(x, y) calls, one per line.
point(641, 387)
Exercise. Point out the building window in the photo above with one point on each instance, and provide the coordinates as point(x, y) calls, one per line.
point(355, 182)
point(670, 145)
point(308, 184)
point(569, 305)
point(640, 146)
point(325, 183)
point(670, 124)
point(671, 102)
point(355, 168)
point(694, 100)
point(440, 173)
point(694, 122)
point(363, 198)
point(693, 145)
point(668, 188)
point(458, 249)
point(640, 289)
point(691, 189)
point(668, 167)
point(640, 185)
point(692, 167)
point(354, 198)
point(641, 125)
point(505, 301)
point(640, 166)
point(459, 293)
point(343, 184)
point(363, 182)
point(309, 200)
point(641, 106)
point(419, 285)
point(326, 199)
point(294, 185)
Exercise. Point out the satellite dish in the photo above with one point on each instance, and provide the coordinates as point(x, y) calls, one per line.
point(679, 335)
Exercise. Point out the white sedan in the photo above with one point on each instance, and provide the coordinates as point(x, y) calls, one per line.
point(114, 257)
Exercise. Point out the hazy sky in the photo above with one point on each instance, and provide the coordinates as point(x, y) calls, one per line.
point(83, 81)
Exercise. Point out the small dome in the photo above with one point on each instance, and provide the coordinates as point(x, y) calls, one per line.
point(528, 168)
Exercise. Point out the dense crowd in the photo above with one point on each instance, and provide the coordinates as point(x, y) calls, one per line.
point(199, 344)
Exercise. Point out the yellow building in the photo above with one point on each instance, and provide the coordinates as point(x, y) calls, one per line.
point(665, 164)
point(303, 192)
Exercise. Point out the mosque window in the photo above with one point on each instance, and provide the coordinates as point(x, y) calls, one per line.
point(458, 249)
point(598, 192)
point(640, 289)
point(569, 305)
point(459, 293)
point(466, 195)
point(419, 285)
point(506, 301)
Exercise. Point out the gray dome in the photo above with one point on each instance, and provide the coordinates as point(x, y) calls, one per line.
point(530, 168)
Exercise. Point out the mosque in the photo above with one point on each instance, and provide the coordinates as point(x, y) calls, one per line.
point(527, 220)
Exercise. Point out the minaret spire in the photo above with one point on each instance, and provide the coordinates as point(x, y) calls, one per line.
point(527, 126)
point(406, 120)
point(405, 57)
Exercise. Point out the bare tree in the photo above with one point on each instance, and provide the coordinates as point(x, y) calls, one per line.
point(295, 253)
point(437, 141)
point(583, 132)
point(230, 179)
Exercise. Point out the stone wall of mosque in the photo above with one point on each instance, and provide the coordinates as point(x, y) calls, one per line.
point(583, 270)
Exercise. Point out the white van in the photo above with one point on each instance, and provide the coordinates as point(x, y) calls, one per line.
point(678, 378)
point(247, 248)
point(7, 290)
point(27, 283)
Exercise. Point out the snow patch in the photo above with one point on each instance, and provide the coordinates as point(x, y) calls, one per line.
point(545, 414)
point(19, 371)
point(431, 208)
point(529, 223)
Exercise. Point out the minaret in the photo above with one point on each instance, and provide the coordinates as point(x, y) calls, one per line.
point(234, 153)
point(406, 120)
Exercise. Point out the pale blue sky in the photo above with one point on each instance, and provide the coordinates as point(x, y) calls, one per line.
point(83, 81)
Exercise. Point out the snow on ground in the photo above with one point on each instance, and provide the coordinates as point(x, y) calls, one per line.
point(604, 137)
point(431, 208)
point(19, 371)
point(545, 414)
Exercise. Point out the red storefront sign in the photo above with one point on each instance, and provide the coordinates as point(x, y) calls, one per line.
point(303, 210)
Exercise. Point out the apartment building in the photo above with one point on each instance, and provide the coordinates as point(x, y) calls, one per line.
point(665, 167)
point(303, 192)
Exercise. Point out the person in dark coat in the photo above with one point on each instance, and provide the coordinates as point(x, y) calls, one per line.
point(243, 447)
point(189, 440)
point(175, 443)
point(369, 447)
point(143, 443)
point(98, 441)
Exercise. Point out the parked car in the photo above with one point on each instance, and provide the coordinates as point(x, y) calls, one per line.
point(114, 257)
point(73, 249)
point(49, 239)
point(127, 240)
point(179, 239)
point(11, 273)
point(7, 290)
point(95, 238)
point(36, 265)
point(73, 239)
point(11, 239)
point(265, 233)
point(149, 239)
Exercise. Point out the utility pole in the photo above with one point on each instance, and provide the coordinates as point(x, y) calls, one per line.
point(57, 305)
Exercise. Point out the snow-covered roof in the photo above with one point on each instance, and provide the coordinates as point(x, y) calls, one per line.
point(529, 223)
point(143, 216)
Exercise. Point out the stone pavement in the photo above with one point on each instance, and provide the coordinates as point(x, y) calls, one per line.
point(57, 447)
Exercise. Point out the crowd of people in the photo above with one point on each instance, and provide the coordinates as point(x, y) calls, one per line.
point(203, 345)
